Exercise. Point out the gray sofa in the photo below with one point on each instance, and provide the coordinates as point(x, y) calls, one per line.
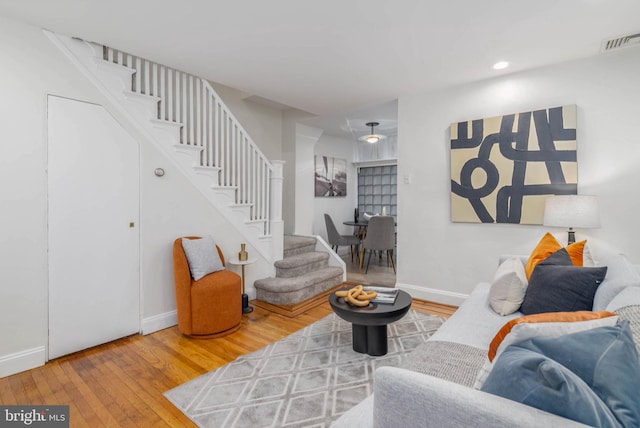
point(434, 385)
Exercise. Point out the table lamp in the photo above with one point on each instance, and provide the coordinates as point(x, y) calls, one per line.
point(571, 211)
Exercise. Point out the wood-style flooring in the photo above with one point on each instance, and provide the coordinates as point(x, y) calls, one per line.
point(120, 384)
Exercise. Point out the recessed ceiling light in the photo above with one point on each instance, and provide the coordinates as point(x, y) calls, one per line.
point(500, 65)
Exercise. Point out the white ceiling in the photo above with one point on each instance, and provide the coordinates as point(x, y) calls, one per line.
point(340, 59)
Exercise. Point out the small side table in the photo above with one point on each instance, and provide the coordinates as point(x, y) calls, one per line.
point(369, 323)
point(245, 299)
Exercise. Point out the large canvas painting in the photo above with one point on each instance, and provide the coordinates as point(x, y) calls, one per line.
point(503, 168)
point(331, 176)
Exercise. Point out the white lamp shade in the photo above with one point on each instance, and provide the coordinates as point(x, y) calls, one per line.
point(577, 211)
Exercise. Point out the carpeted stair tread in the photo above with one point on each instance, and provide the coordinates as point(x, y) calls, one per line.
point(294, 244)
point(301, 264)
point(283, 285)
point(302, 274)
point(301, 259)
point(292, 291)
point(291, 242)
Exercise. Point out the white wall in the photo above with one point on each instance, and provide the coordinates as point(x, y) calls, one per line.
point(289, 172)
point(306, 139)
point(386, 149)
point(30, 69)
point(339, 208)
point(442, 260)
point(170, 208)
point(262, 123)
point(289, 152)
point(33, 67)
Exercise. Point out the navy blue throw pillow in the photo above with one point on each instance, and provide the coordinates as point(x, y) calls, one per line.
point(556, 285)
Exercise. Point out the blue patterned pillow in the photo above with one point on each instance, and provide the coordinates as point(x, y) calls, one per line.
point(591, 376)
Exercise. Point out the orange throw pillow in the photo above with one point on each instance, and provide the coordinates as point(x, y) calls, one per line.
point(576, 252)
point(542, 318)
point(549, 245)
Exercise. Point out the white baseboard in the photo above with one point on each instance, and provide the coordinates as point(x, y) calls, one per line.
point(159, 322)
point(36, 357)
point(433, 295)
point(22, 361)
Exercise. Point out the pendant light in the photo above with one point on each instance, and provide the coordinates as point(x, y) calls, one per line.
point(372, 138)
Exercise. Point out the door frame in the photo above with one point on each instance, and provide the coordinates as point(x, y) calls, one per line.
point(45, 120)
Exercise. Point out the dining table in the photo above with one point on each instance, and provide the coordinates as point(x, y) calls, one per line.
point(361, 225)
point(361, 232)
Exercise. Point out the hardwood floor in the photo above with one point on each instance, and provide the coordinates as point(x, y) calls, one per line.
point(378, 274)
point(121, 383)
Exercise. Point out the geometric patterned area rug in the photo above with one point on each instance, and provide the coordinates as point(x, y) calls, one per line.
point(307, 379)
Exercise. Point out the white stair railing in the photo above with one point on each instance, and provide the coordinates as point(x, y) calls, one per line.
point(207, 123)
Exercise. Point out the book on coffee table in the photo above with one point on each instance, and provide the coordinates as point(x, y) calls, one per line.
point(385, 295)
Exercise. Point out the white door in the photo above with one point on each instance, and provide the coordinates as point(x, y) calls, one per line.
point(93, 176)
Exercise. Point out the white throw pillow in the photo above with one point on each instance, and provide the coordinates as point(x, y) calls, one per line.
point(620, 275)
point(508, 287)
point(525, 331)
point(587, 258)
point(202, 256)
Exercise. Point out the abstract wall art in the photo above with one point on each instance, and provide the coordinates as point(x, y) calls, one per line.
point(330, 176)
point(503, 167)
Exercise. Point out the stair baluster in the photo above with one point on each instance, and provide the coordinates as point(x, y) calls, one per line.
point(207, 123)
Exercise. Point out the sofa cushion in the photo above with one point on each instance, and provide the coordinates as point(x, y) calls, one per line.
point(556, 285)
point(630, 296)
point(202, 256)
point(631, 313)
point(549, 245)
point(552, 324)
point(450, 361)
point(620, 275)
point(548, 324)
point(474, 311)
point(590, 376)
point(508, 287)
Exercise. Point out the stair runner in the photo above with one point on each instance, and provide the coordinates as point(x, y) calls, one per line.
point(302, 274)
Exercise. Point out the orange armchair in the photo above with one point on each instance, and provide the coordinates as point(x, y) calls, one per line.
point(209, 307)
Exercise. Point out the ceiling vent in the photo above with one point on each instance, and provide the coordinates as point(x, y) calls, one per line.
point(620, 42)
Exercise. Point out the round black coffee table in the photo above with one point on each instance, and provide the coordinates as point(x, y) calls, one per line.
point(369, 323)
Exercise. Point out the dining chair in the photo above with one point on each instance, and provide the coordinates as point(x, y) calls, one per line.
point(381, 236)
point(336, 240)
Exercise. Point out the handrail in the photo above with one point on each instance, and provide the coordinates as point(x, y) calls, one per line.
point(208, 123)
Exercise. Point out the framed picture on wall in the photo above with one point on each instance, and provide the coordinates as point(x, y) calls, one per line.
point(504, 167)
point(330, 176)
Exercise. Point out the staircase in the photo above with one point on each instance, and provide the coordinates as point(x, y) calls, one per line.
point(303, 278)
point(183, 116)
